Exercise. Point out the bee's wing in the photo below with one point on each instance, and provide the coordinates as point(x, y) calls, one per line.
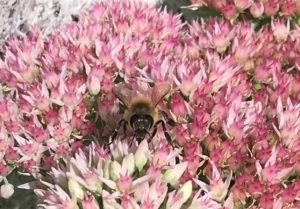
point(159, 92)
point(124, 93)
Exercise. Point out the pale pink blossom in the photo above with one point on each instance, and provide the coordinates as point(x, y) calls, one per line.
point(271, 173)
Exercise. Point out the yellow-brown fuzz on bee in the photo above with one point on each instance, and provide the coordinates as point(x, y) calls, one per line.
point(141, 105)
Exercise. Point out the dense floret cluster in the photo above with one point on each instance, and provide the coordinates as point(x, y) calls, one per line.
point(233, 9)
point(234, 98)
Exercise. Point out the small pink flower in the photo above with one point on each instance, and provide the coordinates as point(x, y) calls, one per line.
point(223, 71)
point(193, 162)
point(204, 201)
point(48, 162)
point(51, 117)
point(177, 105)
point(271, 7)
point(217, 189)
point(125, 183)
point(182, 135)
point(30, 166)
point(288, 195)
point(128, 202)
point(13, 126)
point(280, 30)
point(192, 49)
point(107, 84)
point(154, 172)
point(40, 135)
point(297, 7)
point(257, 9)
point(199, 127)
point(221, 35)
point(229, 11)
point(263, 73)
point(5, 109)
point(148, 204)
point(288, 122)
point(256, 189)
point(63, 150)
point(4, 169)
point(218, 114)
point(241, 117)
point(267, 201)
point(288, 8)
point(77, 145)
point(271, 173)
point(243, 4)
point(175, 201)
point(238, 194)
point(11, 154)
point(242, 53)
point(212, 141)
point(89, 202)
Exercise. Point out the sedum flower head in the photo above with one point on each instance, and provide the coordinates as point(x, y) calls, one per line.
point(233, 99)
point(121, 185)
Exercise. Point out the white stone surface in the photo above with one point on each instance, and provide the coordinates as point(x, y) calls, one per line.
point(16, 16)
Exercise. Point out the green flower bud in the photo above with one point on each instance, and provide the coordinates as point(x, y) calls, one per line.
point(128, 163)
point(106, 169)
point(173, 175)
point(141, 155)
point(115, 170)
point(75, 189)
point(186, 188)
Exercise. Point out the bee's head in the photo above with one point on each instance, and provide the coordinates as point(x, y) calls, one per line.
point(140, 124)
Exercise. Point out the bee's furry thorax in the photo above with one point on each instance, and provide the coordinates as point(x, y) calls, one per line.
point(141, 105)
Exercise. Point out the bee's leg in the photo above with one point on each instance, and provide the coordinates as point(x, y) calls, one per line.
point(116, 131)
point(167, 135)
point(125, 129)
point(168, 120)
point(131, 140)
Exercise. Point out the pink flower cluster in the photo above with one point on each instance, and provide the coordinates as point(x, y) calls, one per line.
point(231, 9)
point(235, 100)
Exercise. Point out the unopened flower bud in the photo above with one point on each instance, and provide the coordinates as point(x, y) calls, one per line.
point(141, 154)
point(106, 169)
point(271, 7)
point(89, 202)
point(173, 175)
point(243, 4)
point(75, 189)
point(257, 9)
point(6, 190)
point(128, 163)
point(93, 85)
point(115, 170)
point(230, 12)
point(186, 189)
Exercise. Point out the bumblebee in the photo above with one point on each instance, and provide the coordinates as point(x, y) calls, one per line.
point(141, 112)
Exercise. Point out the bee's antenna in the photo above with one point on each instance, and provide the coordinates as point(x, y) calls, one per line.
point(169, 120)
